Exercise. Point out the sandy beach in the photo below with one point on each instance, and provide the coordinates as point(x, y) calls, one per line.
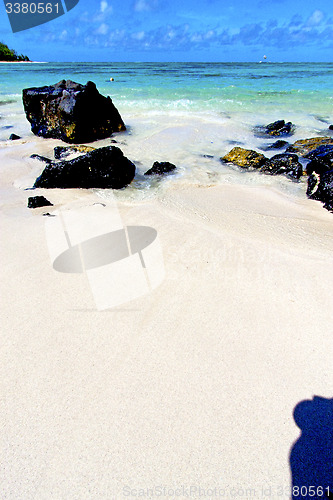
point(190, 386)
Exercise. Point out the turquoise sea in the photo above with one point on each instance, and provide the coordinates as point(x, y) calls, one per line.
point(188, 113)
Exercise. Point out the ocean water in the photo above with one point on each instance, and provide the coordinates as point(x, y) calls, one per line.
point(190, 114)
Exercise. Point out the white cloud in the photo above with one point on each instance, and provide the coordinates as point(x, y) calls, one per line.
point(63, 35)
point(145, 5)
point(316, 18)
point(139, 35)
point(102, 29)
point(141, 5)
point(104, 5)
point(196, 37)
point(209, 34)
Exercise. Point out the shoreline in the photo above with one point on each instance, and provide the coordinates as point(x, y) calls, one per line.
point(192, 384)
point(24, 62)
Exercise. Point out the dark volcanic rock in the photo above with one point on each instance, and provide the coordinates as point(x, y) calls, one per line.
point(321, 162)
point(313, 181)
point(321, 189)
point(101, 168)
point(320, 151)
point(71, 112)
point(61, 152)
point(161, 168)
point(305, 146)
point(278, 128)
point(277, 145)
point(284, 163)
point(41, 158)
point(244, 158)
point(14, 137)
point(38, 201)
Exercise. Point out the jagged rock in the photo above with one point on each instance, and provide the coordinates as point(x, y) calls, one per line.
point(320, 151)
point(305, 146)
point(320, 187)
point(38, 201)
point(161, 168)
point(61, 152)
point(277, 145)
point(14, 137)
point(321, 163)
point(284, 163)
point(278, 128)
point(101, 168)
point(313, 181)
point(71, 112)
point(41, 158)
point(320, 171)
point(244, 158)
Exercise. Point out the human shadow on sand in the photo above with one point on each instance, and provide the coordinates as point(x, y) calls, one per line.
point(311, 457)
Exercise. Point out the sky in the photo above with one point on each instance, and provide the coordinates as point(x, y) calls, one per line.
point(181, 30)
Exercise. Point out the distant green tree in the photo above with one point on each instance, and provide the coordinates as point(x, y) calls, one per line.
point(7, 54)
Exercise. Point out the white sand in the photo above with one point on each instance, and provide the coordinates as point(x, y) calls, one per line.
point(192, 385)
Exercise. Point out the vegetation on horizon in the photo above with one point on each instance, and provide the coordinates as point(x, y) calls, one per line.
point(7, 54)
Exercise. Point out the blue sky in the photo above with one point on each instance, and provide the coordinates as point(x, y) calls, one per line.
point(181, 30)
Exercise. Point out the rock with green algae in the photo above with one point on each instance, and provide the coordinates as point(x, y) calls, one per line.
point(71, 112)
point(245, 158)
point(305, 146)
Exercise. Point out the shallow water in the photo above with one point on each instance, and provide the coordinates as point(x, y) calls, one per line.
point(184, 112)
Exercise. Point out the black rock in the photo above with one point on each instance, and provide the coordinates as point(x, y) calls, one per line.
point(71, 112)
point(320, 163)
point(321, 190)
point(61, 152)
point(275, 125)
point(161, 168)
point(319, 151)
point(101, 168)
point(277, 145)
point(285, 163)
point(41, 158)
point(38, 201)
point(313, 181)
point(330, 127)
point(14, 137)
point(278, 128)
